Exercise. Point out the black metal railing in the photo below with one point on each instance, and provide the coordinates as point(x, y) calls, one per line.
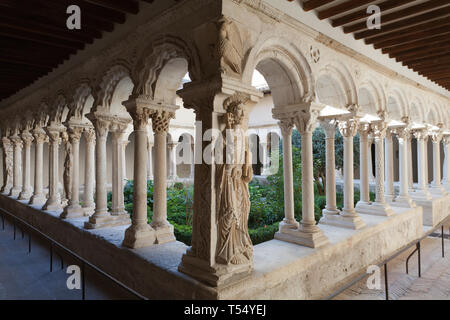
point(384, 263)
point(19, 223)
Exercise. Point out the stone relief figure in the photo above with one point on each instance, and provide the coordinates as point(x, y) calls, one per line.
point(8, 166)
point(233, 199)
point(68, 165)
point(229, 47)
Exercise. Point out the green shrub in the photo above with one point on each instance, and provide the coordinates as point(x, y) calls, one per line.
point(263, 234)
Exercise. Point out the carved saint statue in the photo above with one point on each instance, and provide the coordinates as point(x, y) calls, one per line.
point(68, 165)
point(233, 199)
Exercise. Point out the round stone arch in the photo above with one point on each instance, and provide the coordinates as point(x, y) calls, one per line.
point(81, 102)
point(58, 109)
point(432, 114)
point(285, 69)
point(371, 97)
point(396, 104)
point(335, 86)
point(416, 110)
point(106, 87)
point(162, 65)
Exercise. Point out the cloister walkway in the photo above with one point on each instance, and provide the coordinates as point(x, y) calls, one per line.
point(26, 276)
point(434, 283)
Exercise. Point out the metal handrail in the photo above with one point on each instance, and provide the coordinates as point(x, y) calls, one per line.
point(396, 254)
point(83, 261)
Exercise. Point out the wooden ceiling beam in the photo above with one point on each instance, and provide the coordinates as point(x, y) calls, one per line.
point(362, 14)
point(401, 14)
point(425, 59)
point(405, 26)
point(429, 53)
point(342, 7)
point(130, 6)
point(435, 40)
point(313, 4)
point(412, 37)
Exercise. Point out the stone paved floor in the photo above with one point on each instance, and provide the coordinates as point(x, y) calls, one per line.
point(434, 283)
point(27, 276)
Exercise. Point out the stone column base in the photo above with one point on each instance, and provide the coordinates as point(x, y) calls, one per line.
point(421, 195)
point(52, 206)
point(89, 211)
point(164, 234)
point(139, 236)
point(308, 239)
point(106, 220)
point(37, 200)
point(218, 275)
point(74, 211)
point(338, 220)
point(389, 197)
point(376, 209)
point(25, 195)
point(15, 192)
point(404, 202)
point(438, 190)
point(285, 225)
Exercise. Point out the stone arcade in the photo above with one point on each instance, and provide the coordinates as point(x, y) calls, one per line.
point(132, 89)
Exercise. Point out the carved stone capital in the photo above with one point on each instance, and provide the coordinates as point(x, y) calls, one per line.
point(75, 133)
point(348, 127)
point(161, 120)
point(27, 138)
point(306, 121)
point(403, 133)
point(378, 130)
point(436, 136)
point(421, 134)
point(364, 129)
point(286, 126)
point(101, 127)
point(89, 135)
point(17, 141)
point(329, 127)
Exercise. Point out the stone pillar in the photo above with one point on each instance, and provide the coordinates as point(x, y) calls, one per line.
point(365, 167)
point(330, 134)
point(348, 218)
point(264, 158)
point(380, 206)
point(403, 199)
point(389, 167)
point(140, 233)
point(8, 173)
point(446, 180)
point(101, 216)
point(40, 137)
point(410, 163)
point(308, 233)
point(124, 161)
point(436, 184)
point(160, 124)
point(54, 197)
point(17, 165)
point(89, 172)
point(118, 205)
point(422, 191)
point(150, 161)
point(27, 190)
point(191, 175)
point(289, 222)
point(74, 209)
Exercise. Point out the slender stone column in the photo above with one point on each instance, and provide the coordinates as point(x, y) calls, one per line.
point(89, 172)
point(124, 161)
point(150, 161)
point(140, 233)
point(436, 184)
point(54, 197)
point(422, 191)
point(308, 233)
point(289, 222)
point(160, 124)
point(330, 134)
point(446, 180)
point(408, 142)
point(27, 190)
point(191, 175)
point(74, 209)
point(348, 217)
point(389, 167)
point(101, 216)
point(17, 165)
point(380, 206)
point(40, 137)
point(8, 174)
point(403, 199)
point(365, 167)
point(118, 205)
